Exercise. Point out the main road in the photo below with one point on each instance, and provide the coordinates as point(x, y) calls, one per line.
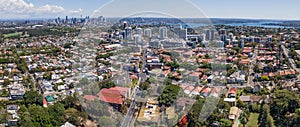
point(253, 61)
point(293, 65)
point(142, 77)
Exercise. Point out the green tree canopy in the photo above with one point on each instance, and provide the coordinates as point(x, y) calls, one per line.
point(33, 97)
point(106, 121)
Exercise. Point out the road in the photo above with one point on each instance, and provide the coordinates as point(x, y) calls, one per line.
point(252, 63)
point(131, 110)
point(33, 81)
point(293, 65)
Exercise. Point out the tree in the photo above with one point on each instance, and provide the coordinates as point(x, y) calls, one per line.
point(6, 82)
point(74, 116)
point(206, 56)
point(265, 119)
point(6, 73)
point(254, 108)
point(248, 90)
point(47, 75)
point(167, 81)
point(83, 81)
point(39, 116)
point(244, 118)
point(3, 116)
point(25, 120)
point(169, 95)
point(174, 65)
point(256, 68)
point(145, 85)
point(106, 121)
point(193, 114)
point(106, 84)
point(265, 78)
point(124, 109)
point(71, 102)
point(33, 97)
point(56, 113)
point(225, 123)
point(241, 104)
point(284, 102)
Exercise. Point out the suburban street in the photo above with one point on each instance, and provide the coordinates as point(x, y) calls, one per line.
point(293, 65)
point(252, 63)
point(142, 77)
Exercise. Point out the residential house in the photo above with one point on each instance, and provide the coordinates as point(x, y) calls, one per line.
point(114, 96)
point(233, 113)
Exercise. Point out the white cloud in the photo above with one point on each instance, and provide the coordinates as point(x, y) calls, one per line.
point(22, 9)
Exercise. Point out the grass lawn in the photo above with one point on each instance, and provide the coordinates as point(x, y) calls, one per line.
point(12, 34)
point(253, 120)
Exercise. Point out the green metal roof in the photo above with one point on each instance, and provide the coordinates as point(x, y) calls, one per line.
point(49, 98)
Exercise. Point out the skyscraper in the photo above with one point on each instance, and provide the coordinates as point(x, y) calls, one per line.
point(215, 35)
point(183, 33)
point(148, 32)
point(139, 31)
point(128, 33)
point(223, 31)
point(207, 35)
point(137, 38)
point(163, 32)
point(230, 36)
point(241, 43)
point(125, 24)
point(210, 34)
point(223, 37)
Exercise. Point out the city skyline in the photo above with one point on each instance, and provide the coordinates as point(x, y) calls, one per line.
point(35, 9)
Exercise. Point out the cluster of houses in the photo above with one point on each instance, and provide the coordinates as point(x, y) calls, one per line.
point(269, 63)
point(11, 81)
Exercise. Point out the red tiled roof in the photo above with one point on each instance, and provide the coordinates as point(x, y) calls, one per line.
point(166, 72)
point(247, 50)
point(271, 74)
point(246, 61)
point(89, 97)
point(167, 67)
point(113, 95)
point(206, 90)
point(232, 90)
point(45, 102)
point(133, 77)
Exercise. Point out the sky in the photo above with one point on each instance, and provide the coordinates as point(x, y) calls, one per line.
point(258, 9)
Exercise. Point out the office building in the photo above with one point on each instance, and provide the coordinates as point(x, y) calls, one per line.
point(137, 38)
point(207, 35)
point(148, 32)
point(139, 31)
point(128, 33)
point(183, 34)
point(241, 43)
point(163, 32)
point(230, 36)
point(223, 37)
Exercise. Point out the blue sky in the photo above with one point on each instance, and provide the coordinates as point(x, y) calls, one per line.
point(262, 9)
